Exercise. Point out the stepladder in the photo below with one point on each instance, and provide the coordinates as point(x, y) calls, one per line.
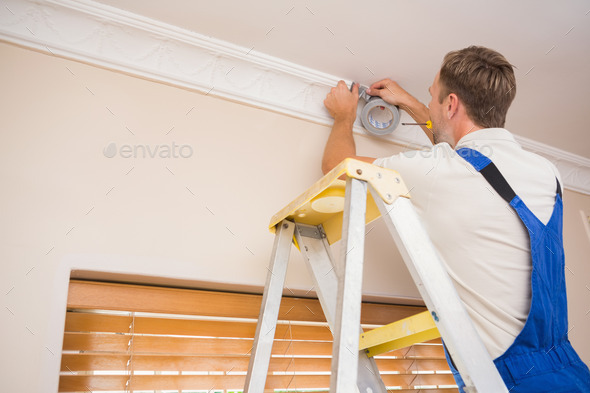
point(335, 210)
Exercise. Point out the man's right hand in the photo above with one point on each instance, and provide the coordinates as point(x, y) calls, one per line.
point(390, 92)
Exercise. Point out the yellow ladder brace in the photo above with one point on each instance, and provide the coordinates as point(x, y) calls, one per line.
point(400, 334)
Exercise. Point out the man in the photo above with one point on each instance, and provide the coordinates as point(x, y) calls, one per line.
point(495, 220)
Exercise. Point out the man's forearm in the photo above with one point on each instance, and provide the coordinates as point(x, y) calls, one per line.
point(340, 144)
point(420, 114)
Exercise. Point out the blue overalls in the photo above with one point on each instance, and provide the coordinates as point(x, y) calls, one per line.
point(541, 359)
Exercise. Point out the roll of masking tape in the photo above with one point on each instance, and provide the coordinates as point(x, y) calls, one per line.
point(379, 117)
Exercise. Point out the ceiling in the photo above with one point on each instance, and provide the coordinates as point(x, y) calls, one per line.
point(548, 42)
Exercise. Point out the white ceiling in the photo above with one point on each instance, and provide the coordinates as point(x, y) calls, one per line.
point(548, 42)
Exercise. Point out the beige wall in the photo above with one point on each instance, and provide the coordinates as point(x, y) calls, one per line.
point(202, 219)
point(576, 239)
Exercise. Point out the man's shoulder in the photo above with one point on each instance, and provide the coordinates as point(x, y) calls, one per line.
point(499, 144)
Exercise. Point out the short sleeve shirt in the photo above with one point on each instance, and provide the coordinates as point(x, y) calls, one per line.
point(478, 235)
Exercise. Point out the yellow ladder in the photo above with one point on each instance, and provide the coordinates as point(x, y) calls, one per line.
point(332, 210)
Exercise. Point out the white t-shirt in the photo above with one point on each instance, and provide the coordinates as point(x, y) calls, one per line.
point(480, 238)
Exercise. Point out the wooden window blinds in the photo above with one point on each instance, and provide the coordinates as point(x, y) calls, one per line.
point(135, 338)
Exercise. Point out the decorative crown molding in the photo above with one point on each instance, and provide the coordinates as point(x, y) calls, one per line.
point(101, 35)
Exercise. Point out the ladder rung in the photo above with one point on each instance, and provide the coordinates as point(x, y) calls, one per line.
point(400, 334)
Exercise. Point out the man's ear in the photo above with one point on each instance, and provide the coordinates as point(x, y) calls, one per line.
point(452, 105)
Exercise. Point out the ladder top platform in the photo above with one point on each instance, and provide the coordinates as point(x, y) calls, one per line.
point(323, 202)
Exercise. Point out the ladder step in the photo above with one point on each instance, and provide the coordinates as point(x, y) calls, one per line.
point(400, 334)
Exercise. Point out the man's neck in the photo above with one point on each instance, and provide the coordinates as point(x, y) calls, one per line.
point(466, 127)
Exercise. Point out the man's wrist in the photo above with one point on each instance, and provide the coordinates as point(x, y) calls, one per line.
point(345, 120)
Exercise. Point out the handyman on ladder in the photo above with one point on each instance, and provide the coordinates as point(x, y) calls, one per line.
point(492, 209)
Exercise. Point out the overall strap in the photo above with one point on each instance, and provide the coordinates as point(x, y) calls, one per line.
point(558, 188)
point(490, 172)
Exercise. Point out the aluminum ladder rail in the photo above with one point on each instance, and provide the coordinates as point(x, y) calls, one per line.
point(369, 192)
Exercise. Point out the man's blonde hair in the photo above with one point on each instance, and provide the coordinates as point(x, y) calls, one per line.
point(483, 80)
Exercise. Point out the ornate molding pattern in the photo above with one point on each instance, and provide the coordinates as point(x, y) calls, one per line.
point(101, 35)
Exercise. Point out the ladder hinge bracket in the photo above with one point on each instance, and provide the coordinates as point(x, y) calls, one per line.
point(388, 183)
point(314, 232)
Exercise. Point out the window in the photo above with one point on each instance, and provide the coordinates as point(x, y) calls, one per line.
point(123, 338)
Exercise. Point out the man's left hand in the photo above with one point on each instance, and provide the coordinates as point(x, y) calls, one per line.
point(342, 103)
